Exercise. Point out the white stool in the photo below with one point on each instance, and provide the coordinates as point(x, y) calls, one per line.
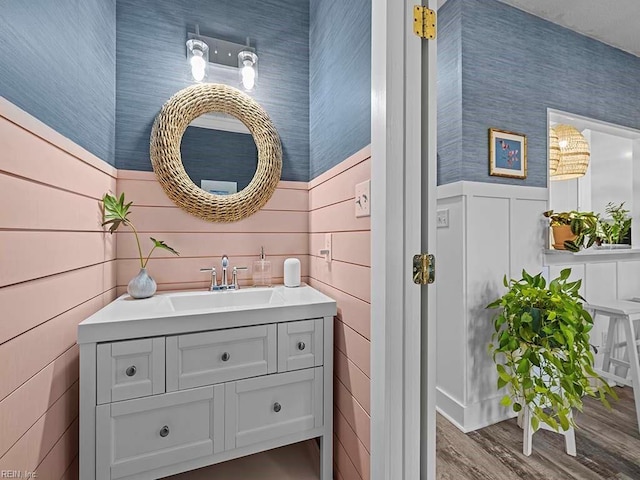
point(624, 313)
point(527, 443)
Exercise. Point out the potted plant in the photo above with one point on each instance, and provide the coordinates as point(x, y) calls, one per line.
point(541, 349)
point(615, 231)
point(573, 230)
point(115, 213)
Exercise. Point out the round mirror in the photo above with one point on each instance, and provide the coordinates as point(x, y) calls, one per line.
point(167, 134)
point(218, 153)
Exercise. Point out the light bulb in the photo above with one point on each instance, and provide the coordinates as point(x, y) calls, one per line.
point(198, 66)
point(248, 76)
point(563, 144)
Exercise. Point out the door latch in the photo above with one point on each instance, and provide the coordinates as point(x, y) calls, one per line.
point(424, 269)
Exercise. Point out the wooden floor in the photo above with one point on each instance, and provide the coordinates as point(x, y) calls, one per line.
point(608, 444)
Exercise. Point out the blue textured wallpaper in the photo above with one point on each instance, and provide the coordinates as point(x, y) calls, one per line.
point(57, 62)
point(450, 91)
point(339, 81)
point(216, 155)
point(152, 66)
point(515, 66)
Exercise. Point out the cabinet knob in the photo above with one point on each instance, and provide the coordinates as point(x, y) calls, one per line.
point(277, 407)
point(164, 431)
point(226, 357)
point(131, 371)
point(301, 346)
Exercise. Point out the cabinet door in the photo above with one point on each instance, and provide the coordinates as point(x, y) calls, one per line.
point(130, 369)
point(219, 356)
point(300, 345)
point(140, 435)
point(260, 409)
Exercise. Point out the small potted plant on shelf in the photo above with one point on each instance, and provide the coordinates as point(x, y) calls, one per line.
point(115, 213)
point(614, 232)
point(573, 230)
point(541, 349)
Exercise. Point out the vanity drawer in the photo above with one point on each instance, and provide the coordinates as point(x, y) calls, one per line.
point(260, 409)
point(130, 369)
point(209, 358)
point(300, 344)
point(141, 435)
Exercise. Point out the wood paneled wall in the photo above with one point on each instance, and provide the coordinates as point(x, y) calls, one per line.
point(56, 268)
point(282, 227)
point(347, 279)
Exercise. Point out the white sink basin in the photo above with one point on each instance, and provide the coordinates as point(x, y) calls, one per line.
point(186, 301)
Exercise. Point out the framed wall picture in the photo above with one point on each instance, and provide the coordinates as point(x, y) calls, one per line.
point(507, 154)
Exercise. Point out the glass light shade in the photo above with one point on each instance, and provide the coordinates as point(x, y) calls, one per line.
point(248, 69)
point(198, 56)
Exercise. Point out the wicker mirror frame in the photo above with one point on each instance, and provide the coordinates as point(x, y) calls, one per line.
point(166, 136)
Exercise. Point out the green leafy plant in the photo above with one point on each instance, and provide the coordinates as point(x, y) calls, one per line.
point(541, 349)
point(584, 225)
point(115, 214)
point(615, 230)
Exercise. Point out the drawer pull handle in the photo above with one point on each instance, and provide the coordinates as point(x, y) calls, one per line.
point(301, 346)
point(277, 407)
point(164, 431)
point(226, 357)
point(131, 371)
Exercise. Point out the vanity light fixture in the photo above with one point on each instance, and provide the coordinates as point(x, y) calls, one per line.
point(554, 151)
point(248, 69)
point(198, 55)
point(203, 52)
point(575, 153)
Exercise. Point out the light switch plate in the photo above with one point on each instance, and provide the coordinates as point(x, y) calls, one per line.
point(363, 199)
point(442, 218)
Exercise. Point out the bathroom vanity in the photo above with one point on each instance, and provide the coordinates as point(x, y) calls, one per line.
point(184, 380)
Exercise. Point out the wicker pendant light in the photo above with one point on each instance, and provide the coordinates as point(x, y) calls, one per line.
point(575, 153)
point(554, 151)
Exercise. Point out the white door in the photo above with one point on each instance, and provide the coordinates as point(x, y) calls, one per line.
point(403, 182)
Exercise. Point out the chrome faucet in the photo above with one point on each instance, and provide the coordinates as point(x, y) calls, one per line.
point(224, 285)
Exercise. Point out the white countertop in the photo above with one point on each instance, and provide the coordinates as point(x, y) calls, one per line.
point(127, 318)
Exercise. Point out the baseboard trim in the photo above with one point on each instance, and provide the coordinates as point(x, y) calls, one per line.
point(468, 418)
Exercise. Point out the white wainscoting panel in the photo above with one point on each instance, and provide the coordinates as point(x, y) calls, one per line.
point(494, 230)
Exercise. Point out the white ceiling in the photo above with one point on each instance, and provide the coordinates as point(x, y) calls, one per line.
point(614, 22)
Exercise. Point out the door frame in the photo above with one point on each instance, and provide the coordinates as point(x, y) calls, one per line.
point(403, 153)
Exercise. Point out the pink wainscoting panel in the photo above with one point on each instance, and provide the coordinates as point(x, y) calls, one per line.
point(21, 313)
point(73, 472)
point(339, 188)
point(28, 255)
point(347, 278)
point(351, 310)
point(214, 245)
point(20, 410)
point(354, 379)
point(144, 190)
point(25, 355)
point(58, 268)
point(354, 448)
point(27, 453)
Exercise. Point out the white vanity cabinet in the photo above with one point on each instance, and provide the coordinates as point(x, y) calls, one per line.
point(202, 387)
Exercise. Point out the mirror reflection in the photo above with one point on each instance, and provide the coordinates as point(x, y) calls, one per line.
point(219, 153)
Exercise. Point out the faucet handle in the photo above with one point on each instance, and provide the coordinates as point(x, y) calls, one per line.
point(214, 277)
point(234, 278)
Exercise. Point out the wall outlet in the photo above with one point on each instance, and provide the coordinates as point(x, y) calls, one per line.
point(442, 218)
point(363, 199)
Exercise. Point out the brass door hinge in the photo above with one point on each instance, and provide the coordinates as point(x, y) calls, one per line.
point(424, 269)
point(424, 22)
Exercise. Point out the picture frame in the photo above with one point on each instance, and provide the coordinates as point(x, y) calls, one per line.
point(507, 154)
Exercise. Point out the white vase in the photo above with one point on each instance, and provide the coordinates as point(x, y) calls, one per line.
point(142, 285)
